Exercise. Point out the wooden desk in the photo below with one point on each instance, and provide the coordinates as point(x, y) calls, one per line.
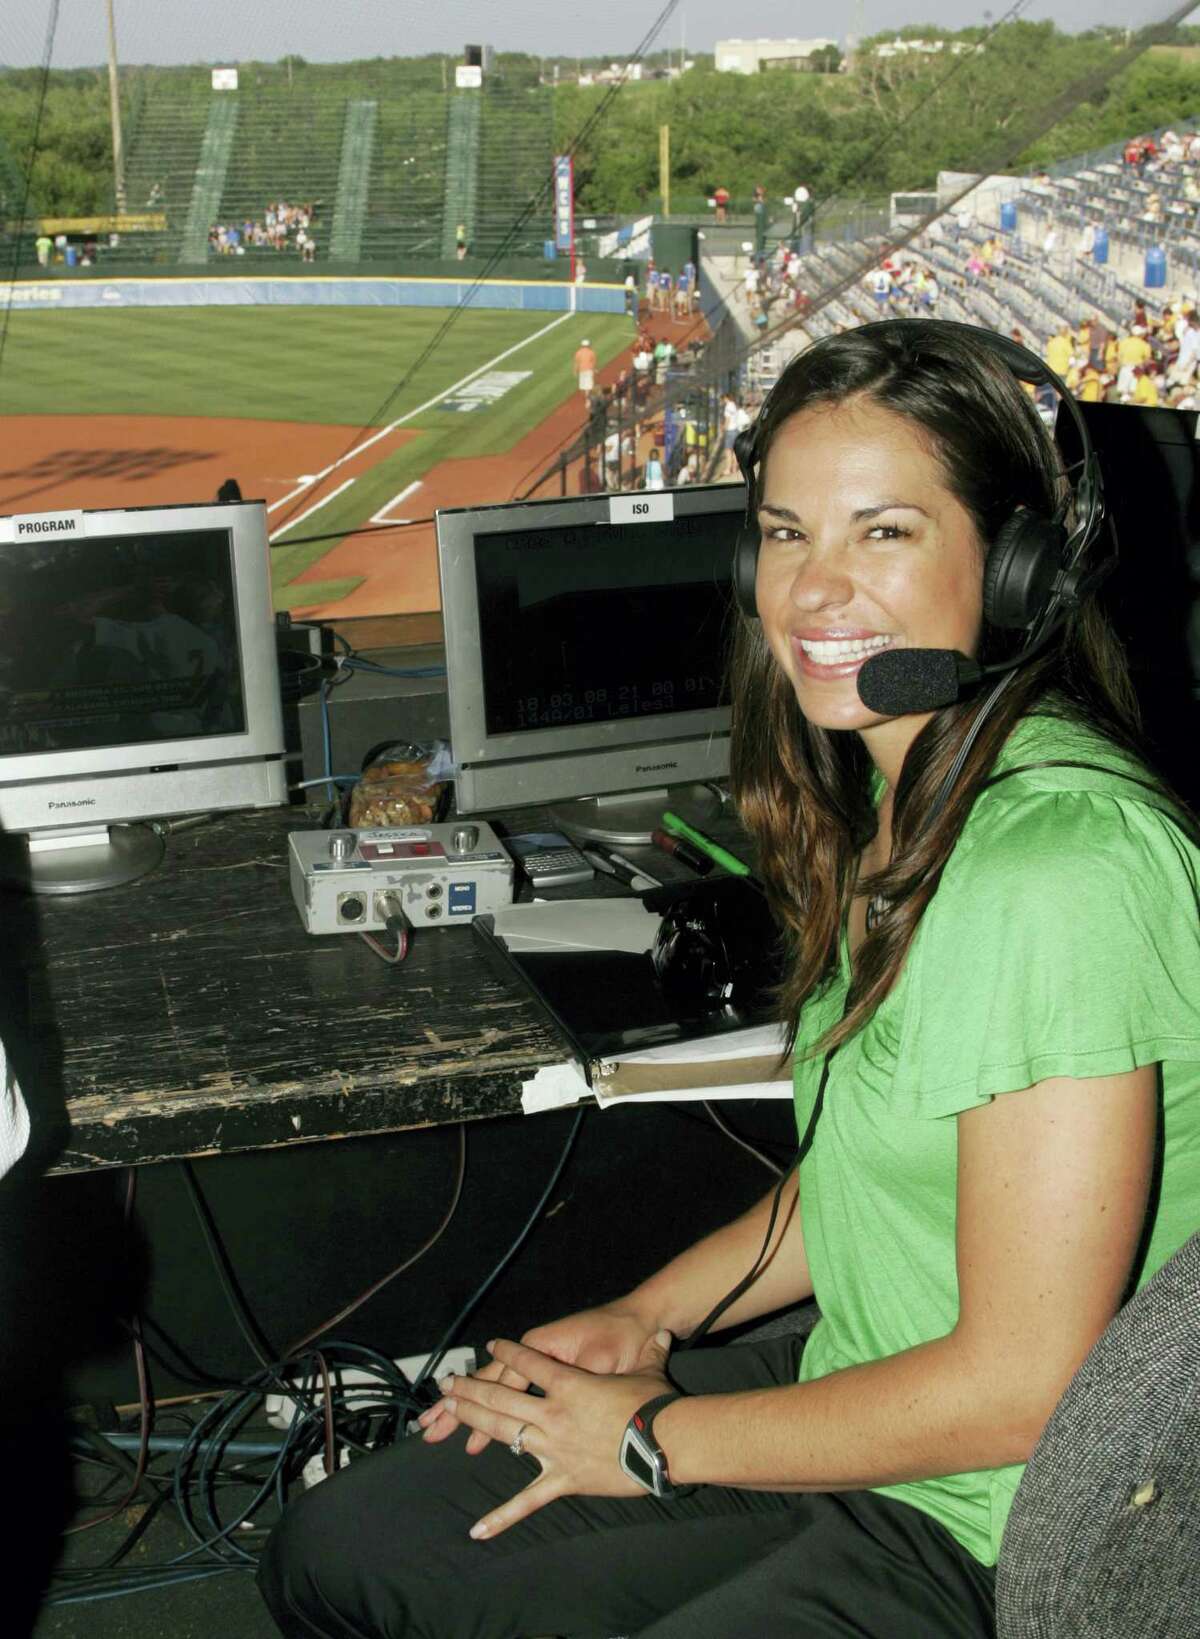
point(191, 1014)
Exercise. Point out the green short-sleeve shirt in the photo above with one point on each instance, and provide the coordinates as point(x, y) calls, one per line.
point(1063, 940)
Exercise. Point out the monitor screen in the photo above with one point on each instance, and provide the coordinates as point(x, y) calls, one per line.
point(577, 630)
point(586, 650)
point(138, 679)
point(1149, 461)
point(132, 646)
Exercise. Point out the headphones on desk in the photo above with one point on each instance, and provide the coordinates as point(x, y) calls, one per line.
point(1033, 577)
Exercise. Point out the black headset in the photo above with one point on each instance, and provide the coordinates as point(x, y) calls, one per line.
point(1032, 577)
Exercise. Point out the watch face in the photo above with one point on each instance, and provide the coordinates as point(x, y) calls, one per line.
point(637, 1467)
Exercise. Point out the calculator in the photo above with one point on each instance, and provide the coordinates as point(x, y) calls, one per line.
point(549, 859)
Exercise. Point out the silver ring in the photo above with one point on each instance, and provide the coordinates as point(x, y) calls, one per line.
point(516, 1445)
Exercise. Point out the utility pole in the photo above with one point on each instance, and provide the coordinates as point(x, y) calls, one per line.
point(664, 167)
point(114, 103)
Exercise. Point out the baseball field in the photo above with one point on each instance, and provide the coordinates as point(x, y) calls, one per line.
point(330, 415)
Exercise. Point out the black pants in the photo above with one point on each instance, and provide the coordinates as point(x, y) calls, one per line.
point(381, 1550)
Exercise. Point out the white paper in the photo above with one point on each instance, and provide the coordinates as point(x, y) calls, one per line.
point(680, 1095)
point(554, 1087)
point(766, 1039)
point(577, 924)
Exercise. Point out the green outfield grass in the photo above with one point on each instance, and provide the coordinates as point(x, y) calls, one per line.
point(330, 365)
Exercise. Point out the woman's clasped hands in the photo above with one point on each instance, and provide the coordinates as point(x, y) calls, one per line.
point(594, 1370)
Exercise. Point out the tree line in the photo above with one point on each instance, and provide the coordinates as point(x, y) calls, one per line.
point(890, 124)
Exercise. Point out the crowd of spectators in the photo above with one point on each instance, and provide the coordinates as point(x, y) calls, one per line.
point(1150, 358)
point(1147, 355)
point(628, 446)
point(282, 227)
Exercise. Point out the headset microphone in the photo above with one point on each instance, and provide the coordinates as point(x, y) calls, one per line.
point(902, 680)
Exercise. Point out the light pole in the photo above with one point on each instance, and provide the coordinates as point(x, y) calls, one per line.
point(114, 103)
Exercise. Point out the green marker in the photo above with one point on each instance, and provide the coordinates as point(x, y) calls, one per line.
point(721, 856)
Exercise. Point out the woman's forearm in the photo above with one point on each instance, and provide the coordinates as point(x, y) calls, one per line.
point(929, 1411)
point(680, 1294)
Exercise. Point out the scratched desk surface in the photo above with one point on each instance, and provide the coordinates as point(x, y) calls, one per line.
point(190, 1012)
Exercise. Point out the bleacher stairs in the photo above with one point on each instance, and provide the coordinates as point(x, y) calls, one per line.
point(354, 180)
point(210, 177)
point(462, 169)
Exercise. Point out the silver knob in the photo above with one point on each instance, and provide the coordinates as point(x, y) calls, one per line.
point(342, 844)
point(466, 839)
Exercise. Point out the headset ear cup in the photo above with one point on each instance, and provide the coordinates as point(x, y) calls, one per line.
point(1021, 567)
point(745, 552)
point(745, 570)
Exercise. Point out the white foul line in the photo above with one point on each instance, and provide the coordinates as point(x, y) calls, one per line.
point(381, 517)
point(420, 409)
point(308, 512)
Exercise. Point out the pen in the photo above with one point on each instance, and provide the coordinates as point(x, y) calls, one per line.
point(722, 856)
point(619, 859)
point(615, 865)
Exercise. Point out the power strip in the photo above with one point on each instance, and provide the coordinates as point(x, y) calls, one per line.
point(361, 1386)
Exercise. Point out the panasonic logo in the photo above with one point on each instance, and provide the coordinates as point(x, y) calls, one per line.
point(75, 802)
point(652, 768)
point(47, 526)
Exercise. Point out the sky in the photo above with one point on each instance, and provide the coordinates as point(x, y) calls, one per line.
point(182, 31)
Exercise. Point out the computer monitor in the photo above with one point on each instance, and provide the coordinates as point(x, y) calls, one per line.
point(1150, 462)
point(586, 649)
point(138, 678)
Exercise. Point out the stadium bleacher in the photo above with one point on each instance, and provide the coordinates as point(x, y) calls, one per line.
point(393, 172)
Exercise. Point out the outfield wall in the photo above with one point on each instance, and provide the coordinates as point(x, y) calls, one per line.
point(510, 294)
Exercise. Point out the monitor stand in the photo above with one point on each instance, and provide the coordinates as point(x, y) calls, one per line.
point(79, 861)
point(628, 818)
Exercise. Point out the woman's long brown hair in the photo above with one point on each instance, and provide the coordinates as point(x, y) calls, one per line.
point(803, 792)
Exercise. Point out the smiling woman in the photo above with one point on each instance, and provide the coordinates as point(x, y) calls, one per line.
point(998, 1083)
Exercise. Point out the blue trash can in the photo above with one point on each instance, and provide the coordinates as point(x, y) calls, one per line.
point(1156, 268)
point(71, 255)
point(1008, 216)
point(549, 250)
point(1100, 245)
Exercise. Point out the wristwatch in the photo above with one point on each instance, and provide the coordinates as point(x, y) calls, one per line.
point(642, 1458)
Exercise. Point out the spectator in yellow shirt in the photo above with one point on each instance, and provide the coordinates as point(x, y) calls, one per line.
point(1091, 385)
point(1059, 350)
point(1146, 391)
point(1133, 351)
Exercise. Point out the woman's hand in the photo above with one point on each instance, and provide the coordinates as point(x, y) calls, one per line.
point(608, 1340)
point(573, 1429)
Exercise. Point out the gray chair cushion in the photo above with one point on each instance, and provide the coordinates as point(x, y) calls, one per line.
point(1103, 1541)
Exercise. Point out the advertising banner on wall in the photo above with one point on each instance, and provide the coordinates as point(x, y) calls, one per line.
point(564, 204)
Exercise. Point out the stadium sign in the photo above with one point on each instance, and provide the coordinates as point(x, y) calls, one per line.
point(564, 203)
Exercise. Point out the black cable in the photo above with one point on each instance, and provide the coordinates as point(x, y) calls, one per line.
point(247, 1325)
point(377, 1286)
point(431, 1365)
point(743, 1143)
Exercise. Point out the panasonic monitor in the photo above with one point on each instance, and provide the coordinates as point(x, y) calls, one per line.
point(1150, 462)
point(586, 649)
point(138, 679)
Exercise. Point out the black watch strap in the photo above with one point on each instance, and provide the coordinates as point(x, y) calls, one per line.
point(644, 1416)
point(640, 1435)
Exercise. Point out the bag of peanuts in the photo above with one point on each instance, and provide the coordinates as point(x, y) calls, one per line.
point(401, 784)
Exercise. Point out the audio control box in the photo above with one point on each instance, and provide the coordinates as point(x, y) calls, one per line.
point(351, 881)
